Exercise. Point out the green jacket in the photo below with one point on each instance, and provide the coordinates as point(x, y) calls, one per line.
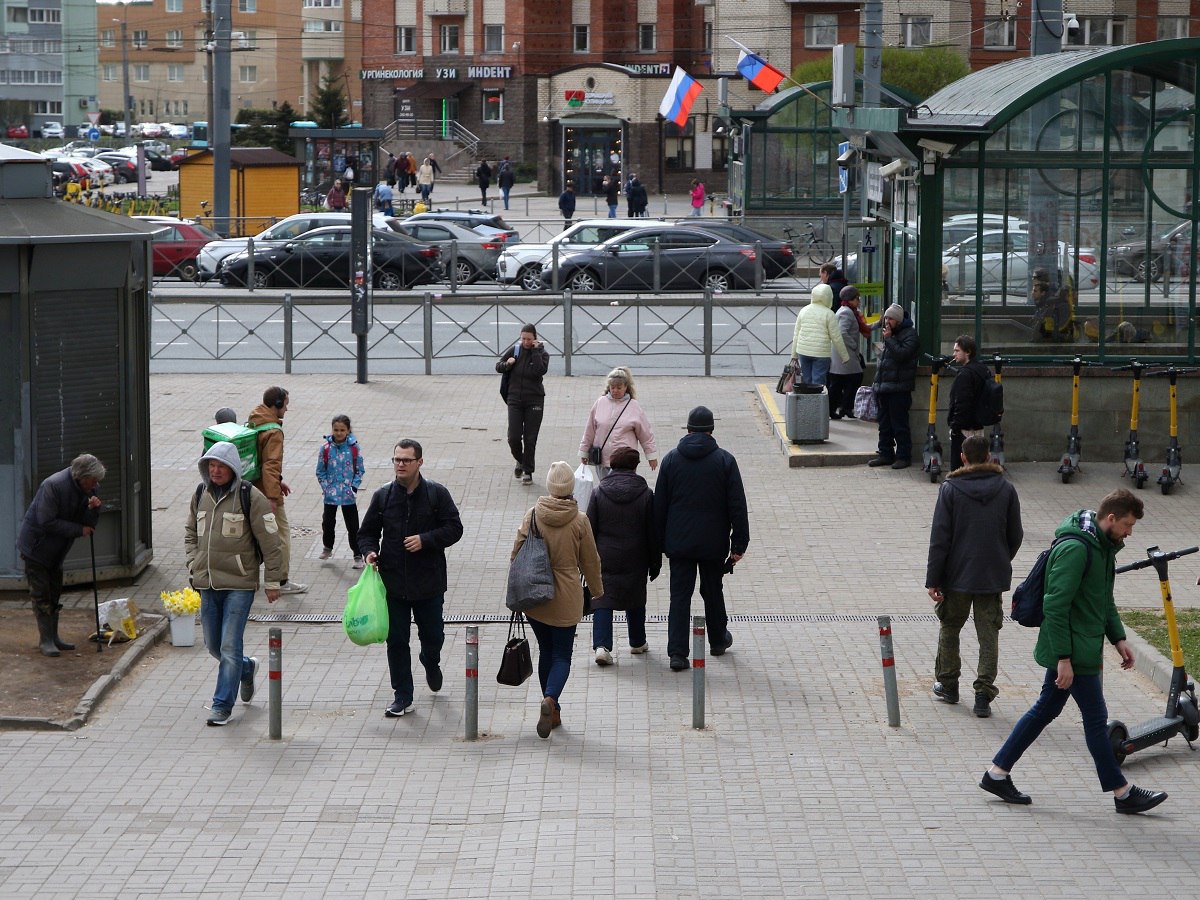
point(1079, 611)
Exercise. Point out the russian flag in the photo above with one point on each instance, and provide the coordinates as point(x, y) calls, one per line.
point(759, 72)
point(677, 104)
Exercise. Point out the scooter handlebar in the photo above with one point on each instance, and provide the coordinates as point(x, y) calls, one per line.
point(1154, 555)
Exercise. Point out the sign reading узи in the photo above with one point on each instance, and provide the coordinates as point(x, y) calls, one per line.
point(438, 74)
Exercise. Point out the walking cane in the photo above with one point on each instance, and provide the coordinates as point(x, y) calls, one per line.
point(95, 594)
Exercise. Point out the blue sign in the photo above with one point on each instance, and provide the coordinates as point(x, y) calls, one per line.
point(93, 133)
point(843, 172)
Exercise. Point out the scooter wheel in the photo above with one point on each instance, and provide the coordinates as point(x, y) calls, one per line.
point(1166, 487)
point(1140, 481)
point(933, 477)
point(1066, 477)
point(1117, 733)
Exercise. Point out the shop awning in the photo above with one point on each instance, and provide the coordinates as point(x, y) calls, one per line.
point(433, 90)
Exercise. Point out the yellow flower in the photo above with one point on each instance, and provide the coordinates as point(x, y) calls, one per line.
point(181, 603)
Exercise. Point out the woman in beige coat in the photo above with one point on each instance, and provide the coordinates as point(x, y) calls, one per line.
point(572, 551)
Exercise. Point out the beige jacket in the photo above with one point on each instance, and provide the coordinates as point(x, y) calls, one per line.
point(270, 452)
point(572, 550)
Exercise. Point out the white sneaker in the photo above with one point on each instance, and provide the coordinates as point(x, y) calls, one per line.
point(603, 657)
point(358, 563)
point(293, 587)
point(645, 648)
point(326, 553)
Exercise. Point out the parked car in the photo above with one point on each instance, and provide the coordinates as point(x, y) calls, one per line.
point(178, 132)
point(321, 258)
point(176, 246)
point(178, 155)
point(100, 173)
point(1170, 252)
point(524, 263)
point(146, 129)
point(955, 230)
point(17, 131)
point(476, 219)
point(53, 130)
point(124, 167)
point(1004, 259)
point(778, 255)
point(157, 162)
point(688, 258)
point(473, 255)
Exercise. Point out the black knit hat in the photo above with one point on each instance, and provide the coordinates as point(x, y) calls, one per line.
point(700, 419)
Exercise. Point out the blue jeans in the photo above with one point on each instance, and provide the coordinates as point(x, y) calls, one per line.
point(1088, 691)
point(612, 210)
point(814, 370)
point(431, 632)
point(602, 627)
point(555, 643)
point(223, 616)
point(505, 191)
point(679, 619)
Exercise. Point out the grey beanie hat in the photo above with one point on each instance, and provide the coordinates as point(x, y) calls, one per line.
point(895, 312)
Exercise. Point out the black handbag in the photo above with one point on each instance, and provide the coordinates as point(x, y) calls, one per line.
point(596, 454)
point(516, 665)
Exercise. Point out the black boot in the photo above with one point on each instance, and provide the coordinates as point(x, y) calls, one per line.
point(59, 642)
point(46, 633)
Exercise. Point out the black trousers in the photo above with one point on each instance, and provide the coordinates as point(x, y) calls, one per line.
point(683, 583)
point(329, 519)
point(841, 392)
point(524, 423)
point(895, 438)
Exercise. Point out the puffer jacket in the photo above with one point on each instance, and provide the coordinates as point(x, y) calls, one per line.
point(847, 320)
point(621, 512)
point(340, 470)
point(1079, 610)
point(219, 549)
point(817, 328)
point(964, 396)
point(526, 374)
point(270, 452)
point(976, 532)
point(55, 518)
point(896, 372)
point(700, 507)
point(572, 551)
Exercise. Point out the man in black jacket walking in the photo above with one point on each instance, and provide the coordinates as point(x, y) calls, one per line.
point(702, 522)
point(976, 532)
point(522, 367)
point(895, 379)
point(405, 533)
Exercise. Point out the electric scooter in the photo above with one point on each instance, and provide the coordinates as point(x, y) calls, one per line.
point(1135, 469)
point(1182, 715)
point(1070, 459)
point(997, 447)
point(931, 456)
point(1170, 472)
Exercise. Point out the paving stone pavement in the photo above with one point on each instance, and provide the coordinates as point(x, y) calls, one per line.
point(797, 787)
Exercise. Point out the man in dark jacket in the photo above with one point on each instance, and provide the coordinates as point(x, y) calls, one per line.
point(405, 533)
point(638, 198)
point(963, 416)
point(566, 204)
point(701, 519)
point(522, 367)
point(895, 379)
point(976, 532)
point(64, 508)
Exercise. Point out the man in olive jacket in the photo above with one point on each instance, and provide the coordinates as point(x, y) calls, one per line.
point(1080, 613)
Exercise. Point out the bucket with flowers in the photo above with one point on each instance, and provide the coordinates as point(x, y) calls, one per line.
point(181, 607)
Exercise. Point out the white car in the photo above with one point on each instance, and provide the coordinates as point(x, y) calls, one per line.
point(53, 130)
point(99, 171)
point(523, 263)
point(178, 132)
point(1003, 258)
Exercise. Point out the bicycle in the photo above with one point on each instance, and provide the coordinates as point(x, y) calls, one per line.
point(819, 250)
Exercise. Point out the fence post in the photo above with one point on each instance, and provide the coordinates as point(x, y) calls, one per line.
point(889, 671)
point(472, 673)
point(697, 671)
point(427, 329)
point(250, 263)
point(708, 329)
point(553, 268)
point(453, 273)
point(287, 333)
point(275, 682)
point(568, 327)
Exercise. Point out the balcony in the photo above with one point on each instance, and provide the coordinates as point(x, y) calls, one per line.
point(322, 45)
point(445, 7)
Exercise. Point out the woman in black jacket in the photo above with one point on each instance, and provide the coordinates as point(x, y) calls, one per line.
point(963, 416)
point(522, 367)
point(483, 175)
point(621, 510)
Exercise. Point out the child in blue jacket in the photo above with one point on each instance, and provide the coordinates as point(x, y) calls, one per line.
point(340, 470)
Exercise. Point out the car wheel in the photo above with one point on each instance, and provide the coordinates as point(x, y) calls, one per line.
point(464, 272)
point(122, 178)
point(390, 280)
point(188, 270)
point(718, 281)
point(1154, 268)
point(261, 279)
point(531, 278)
point(584, 281)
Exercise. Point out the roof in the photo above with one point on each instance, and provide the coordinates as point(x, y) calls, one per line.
point(43, 220)
point(249, 158)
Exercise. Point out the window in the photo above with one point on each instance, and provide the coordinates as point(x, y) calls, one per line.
point(493, 38)
point(1171, 27)
point(406, 40)
point(1096, 31)
point(174, 72)
point(174, 38)
point(493, 106)
point(185, 108)
point(16, 15)
point(110, 72)
point(45, 16)
point(313, 26)
point(314, 4)
point(820, 30)
point(174, 5)
point(448, 39)
point(140, 40)
point(916, 31)
point(247, 6)
point(999, 32)
point(107, 38)
point(247, 74)
point(47, 107)
point(581, 42)
point(708, 37)
point(141, 72)
point(680, 146)
point(646, 38)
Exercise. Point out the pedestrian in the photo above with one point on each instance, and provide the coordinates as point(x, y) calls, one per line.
point(816, 336)
point(969, 384)
point(340, 470)
point(405, 533)
point(389, 170)
point(611, 187)
point(336, 198)
point(506, 178)
point(976, 532)
point(639, 199)
point(617, 420)
point(1080, 613)
point(348, 176)
point(845, 378)
point(621, 512)
point(267, 420)
point(574, 561)
point(483, 177)
point(566, 203)
point(895, 380)
point(629, 198)
point(225, 415)
point(383, 199)
point(701, 519)
point(831, 275)
point(522, 367)
point(223, 543)
point(65, 507)
point(412, 170)
point(425, 177)
point(697, 197)
point(401, 173)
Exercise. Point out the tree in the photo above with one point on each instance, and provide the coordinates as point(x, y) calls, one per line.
point(328, 107)
point(921, 72)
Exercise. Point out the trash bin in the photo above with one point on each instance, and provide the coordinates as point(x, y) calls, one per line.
point(806, 419)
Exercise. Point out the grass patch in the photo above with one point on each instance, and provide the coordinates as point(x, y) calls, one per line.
point(1151, 626)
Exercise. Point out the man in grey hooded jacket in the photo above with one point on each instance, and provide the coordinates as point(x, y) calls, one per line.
point(230, 523)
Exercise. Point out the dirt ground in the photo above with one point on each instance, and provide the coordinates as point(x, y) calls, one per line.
point(46, 687)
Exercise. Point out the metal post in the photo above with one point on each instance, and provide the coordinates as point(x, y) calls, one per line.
point(697, 671)
point(889, 671)
point(454, 266)
point(275, 682)
point(472, 711)
point(708, 330)
point(287, 333)
point(250, 264)
point(427, 327)
point(568, 329)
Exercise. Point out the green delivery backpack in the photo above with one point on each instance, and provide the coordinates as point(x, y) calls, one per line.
point(245, 438)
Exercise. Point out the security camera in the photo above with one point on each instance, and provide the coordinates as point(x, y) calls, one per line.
point(848, 157)
point(939, 147)
point(894, 168)
point(1071, 24)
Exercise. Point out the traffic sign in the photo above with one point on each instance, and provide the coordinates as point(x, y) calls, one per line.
point(93, 133)
point(94, 117)
point(843, 172)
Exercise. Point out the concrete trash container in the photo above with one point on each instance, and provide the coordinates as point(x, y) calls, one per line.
point(806, 419)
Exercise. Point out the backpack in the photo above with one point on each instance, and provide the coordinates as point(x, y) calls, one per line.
point(989, 402)
point(245, 438)
point(244, 489)
point(1027, 598)
point(353, 456)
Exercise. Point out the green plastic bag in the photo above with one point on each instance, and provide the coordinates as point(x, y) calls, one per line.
point(365, 618)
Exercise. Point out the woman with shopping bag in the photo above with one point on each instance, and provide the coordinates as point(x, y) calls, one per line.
point(616, 420)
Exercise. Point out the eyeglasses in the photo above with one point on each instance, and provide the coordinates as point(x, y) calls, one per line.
point(404, 460)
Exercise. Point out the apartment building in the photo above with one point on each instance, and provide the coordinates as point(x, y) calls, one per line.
point(47, 61)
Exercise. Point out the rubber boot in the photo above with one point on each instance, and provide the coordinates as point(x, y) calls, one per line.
point(59, 642)
point(46, 634)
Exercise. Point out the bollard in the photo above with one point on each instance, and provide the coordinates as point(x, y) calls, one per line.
point(697, 671)
point(288, 345)
point(889, 671)
point(275, 682)
point(472, 683)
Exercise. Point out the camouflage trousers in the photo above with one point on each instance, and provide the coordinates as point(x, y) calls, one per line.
point(952, 612)
point(45, 586)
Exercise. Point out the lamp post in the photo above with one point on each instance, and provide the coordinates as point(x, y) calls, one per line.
point(126, 103)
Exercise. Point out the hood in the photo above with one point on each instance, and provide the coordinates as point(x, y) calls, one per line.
point(350, 441)
point(623, 487)
point(555, 512)
point(981, 482)
point(263, 414)
point(222, 451)
point(1086, 522)
point(696, 445)
point(822, 295)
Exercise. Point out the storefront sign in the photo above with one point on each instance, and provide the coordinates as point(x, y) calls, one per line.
point(649, 68)
point(489, 71)
point(576, 99)
point(383, 74)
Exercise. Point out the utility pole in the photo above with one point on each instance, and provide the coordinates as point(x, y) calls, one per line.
point(219, 125)
point(1046, 31)
point(872, 20)
point(127, 104)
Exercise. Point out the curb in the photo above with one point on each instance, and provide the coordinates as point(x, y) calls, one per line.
point(803, 456)
point(1148, 661)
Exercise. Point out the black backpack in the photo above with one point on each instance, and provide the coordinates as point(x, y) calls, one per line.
point(989, 403)
point(245, 497)
point(1027, 598)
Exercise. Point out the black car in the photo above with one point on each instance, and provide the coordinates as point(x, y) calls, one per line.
point(321, 258)
point(778, 257)
point(124, 168)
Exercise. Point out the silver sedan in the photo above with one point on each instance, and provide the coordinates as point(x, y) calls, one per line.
point(467, 256)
